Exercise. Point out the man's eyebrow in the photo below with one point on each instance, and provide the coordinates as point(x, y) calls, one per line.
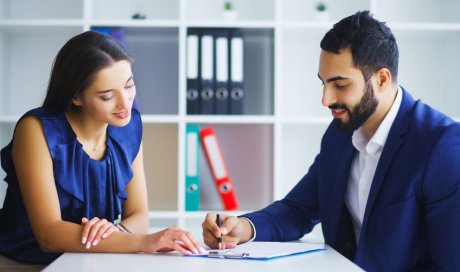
point(334, 78)
point(337, 78)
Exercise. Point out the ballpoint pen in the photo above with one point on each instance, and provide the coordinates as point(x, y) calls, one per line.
point(219, 224)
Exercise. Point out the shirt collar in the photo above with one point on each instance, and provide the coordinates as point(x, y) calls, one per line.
point(378, 140)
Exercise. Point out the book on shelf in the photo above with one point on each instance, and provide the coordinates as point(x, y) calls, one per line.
point(207, 63)
point(222, 73)
point(237, 90)
point(192, 168)
point(193, 73)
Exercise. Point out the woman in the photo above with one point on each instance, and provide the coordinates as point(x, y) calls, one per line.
point(75, 164)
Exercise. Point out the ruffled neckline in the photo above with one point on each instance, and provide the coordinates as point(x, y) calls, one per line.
point(108, 141)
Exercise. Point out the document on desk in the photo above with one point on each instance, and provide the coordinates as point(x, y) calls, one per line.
point(263, 250)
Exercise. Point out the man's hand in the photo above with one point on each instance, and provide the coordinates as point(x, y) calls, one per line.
point(234, 231)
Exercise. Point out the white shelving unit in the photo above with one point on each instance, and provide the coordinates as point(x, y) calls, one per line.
point(268, 149)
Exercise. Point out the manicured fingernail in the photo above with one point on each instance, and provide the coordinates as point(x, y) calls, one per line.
point(195, 251)
point(104, 235)
point(188, 252)
point(95, 242)
point(83, 240)
point(202, 250)
point(88, 245)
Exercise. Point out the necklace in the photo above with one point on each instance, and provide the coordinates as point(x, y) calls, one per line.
point(85, 143)
point(96, 146)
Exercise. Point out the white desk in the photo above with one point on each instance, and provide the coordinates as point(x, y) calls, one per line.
point(328, 260)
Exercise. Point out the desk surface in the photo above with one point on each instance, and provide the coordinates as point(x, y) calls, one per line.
point(328, 260)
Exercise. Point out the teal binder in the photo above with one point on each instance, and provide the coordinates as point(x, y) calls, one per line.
point(192, 169)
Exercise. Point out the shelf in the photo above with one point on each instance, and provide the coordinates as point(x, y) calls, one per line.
point(231, 24)
point(136, 23)
point(230, 119)
point(158, 118)
point(420, 26)
point(52, 28)
point(33, 23)
point(308, 25)
point(307, 120)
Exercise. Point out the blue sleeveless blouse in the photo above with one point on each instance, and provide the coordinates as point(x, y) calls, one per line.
point(86, 187)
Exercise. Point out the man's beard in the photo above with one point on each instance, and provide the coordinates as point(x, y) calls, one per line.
point(360, 113)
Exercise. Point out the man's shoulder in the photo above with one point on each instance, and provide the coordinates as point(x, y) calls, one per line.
point(429, 119)
point(429, 127)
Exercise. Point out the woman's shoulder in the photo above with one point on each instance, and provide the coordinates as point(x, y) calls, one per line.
point(43, 113)
point(39, 115)
point(31, 121)
point(29, 124)
point(50, 122)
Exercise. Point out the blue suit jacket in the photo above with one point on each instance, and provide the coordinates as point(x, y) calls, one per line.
point(412, 217)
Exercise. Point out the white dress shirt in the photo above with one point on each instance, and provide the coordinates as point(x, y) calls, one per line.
point(364, 165)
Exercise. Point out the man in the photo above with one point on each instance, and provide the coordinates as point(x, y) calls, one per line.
point(385, 185)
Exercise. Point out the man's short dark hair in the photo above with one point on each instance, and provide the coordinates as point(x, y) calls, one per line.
point(371, 43)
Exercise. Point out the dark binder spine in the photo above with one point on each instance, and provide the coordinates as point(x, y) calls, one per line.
point(193, 71)
point(237, 91)
point(207, 72)
point(222, 72)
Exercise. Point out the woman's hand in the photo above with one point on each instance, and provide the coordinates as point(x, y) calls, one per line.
point(95, 230)
point(172, 238)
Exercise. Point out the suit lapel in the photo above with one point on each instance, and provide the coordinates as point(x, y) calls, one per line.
point(391, 147)
point(340, 185)
point(393, 143)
